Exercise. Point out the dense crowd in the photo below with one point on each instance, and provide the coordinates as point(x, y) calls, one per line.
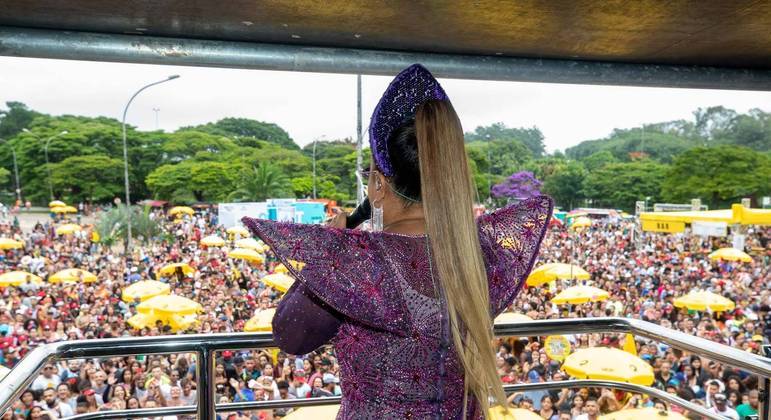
point(642, 274)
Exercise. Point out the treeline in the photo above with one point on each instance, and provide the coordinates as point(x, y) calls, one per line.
point(720, 157)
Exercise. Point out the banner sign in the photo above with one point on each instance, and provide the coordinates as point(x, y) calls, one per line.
point(710, 228)
point(659, 226)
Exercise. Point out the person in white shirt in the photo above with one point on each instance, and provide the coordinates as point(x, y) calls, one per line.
point(55, 407)
point(48, 379)
point(721, 407)
point(591, 410)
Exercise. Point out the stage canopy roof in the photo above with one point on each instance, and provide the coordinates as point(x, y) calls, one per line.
point(738, 214)
point(690, 43)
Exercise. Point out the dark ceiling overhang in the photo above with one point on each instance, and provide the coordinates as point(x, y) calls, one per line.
point(688, 43)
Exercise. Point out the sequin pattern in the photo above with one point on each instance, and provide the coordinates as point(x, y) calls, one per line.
point(410, 88)
point(395, 357)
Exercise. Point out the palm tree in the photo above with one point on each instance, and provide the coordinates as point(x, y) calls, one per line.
point(111, 226)
point(260, 183)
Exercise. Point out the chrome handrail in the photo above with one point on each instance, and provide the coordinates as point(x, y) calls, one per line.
point(205, 345)
point(294, 403)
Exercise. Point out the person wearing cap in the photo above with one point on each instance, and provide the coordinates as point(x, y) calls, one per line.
point(298, 385)
point(721, 407)
point(330, 383)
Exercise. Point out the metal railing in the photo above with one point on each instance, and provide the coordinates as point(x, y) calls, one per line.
point(206, 345)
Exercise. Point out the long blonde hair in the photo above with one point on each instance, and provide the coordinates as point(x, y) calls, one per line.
point(447, 193)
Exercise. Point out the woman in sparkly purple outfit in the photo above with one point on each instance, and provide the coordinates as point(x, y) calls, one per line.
point(408, 305)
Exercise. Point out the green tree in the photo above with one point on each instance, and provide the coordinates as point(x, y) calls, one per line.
point(260, 183)
point(112, 225)
point(93, 178)
point(598, 160)
point(751, 130)
point(531, 138)
point(619, 185)
point(719, 175)
point(193, 181)
point(15, 118)
point(5, 176)
point(245, 131)
point(565, 184)
point(302, 187)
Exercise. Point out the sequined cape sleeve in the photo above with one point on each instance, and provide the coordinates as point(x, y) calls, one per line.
point(510, 240)
point(302, 322)
point(346, 269)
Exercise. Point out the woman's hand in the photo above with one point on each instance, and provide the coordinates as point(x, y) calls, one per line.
point(337, 221)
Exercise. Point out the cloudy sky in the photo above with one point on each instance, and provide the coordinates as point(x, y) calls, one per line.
point(312, 105)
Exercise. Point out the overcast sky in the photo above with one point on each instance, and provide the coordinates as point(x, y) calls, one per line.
point(313, 105)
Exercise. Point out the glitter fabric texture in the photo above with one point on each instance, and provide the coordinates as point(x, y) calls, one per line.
point(395, 357)
point(410, 88)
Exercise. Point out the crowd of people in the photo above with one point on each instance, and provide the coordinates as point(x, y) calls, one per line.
point(642, 274)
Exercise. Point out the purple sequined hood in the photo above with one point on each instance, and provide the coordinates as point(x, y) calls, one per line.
point(395, 355)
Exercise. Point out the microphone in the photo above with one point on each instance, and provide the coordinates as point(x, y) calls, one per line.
point(359, 215)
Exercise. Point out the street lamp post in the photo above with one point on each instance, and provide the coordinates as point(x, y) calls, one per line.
point(314, 169)
point(125, 159)
point(156, 110)
point(45, 152)
point(16, 173)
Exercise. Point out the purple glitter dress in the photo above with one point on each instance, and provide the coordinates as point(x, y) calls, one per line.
point(373, 295)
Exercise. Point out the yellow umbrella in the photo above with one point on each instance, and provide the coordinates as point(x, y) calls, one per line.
point(249, 243)
point(17, 278)
point(556, 271)
point(281, 268)
point(72, 275)
point(8, 243)
point(511, 317)
point(181, 210)
point(170, 269)
point(643, 413)
point(64, 209)
point(701, 300)
point(140, 321)
point(143, 290)
point(278, 281)
point(609, 364)
point(315, 412)
point(730, 254)
point(580, 294)
point(168, 305)
point(238, 230)
point(68, 229)
point(261, 322)
point(56, 203)
point(497, 413)
point(245, 254)
point(212, 240)
point(581, 222)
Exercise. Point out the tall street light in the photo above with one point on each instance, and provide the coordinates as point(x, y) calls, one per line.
point(314, 169)
point(45, 152)
point(125, 159)
point(16, 173)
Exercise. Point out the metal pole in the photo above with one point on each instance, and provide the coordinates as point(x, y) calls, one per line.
point(314, 169)
point(48, 171)
point(125, 159)
point(16, 173)
point(206, 390)
point(72, 45)
point(157, 110)
point(359, 143)
point(764, 410)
